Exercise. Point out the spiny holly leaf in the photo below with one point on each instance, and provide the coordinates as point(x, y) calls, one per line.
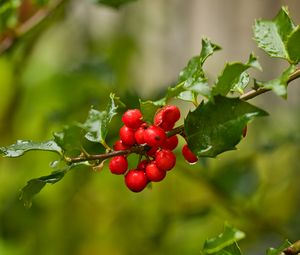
point(208, 48)
point(233, 75)
point(279, 85)
point(272, 35)
point(112, 3)
point(148, 109)
point(192, 79)
point(215, 127)
point(34, 186)
point(97, 123)
point(69, 139)
point(22, 146)
point(293, 47)
point(227, 240)
point(194, 67)
point(278, 251)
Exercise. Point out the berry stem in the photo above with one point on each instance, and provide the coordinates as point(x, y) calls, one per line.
point(138, 149)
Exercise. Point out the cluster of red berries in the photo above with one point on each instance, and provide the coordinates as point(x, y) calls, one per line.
point(156, 147)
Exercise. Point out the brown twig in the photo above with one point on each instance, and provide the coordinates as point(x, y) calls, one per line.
point(138, 149)
point(255, 92)
point(294, 249)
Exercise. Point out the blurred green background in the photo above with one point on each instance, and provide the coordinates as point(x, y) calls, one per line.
point(75, 58)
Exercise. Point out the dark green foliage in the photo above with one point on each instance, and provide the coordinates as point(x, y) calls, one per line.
point(225, 243)
point(22, 146)
point(278, 37)
point(215, 127)
point(34, 186)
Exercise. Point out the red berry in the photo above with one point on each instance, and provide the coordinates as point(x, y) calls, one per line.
point(166, 117)
point(154, 136)
point(165, 160)
point(244, 131)
point(139, 135)
point(132, 118)
point(136, 180)
point(118, 165)
point(154, 173)
point(188, 154)
point(119, 146)
point(127, 136)
point(171, 143)
point(142, 165)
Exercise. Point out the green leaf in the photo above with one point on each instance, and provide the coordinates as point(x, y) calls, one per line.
point(22, 146)
point(232, 249)
point(208, 48)
point(148, 109)
point(112, 3)
point(192, 79)
point(278, 85)
point(228, 238)
point(233, 76)
point(277, 251)
point(215, 127)
point(97, 123)
point(241, 83)
point(271, 35)
point(70, 139)
point(34, 186)
point(293, 47)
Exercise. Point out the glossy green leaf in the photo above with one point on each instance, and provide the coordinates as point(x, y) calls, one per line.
point(22, 146)
point(34, 186)
point(215, 127)
point(278, 251)
point(279, 85)
point(208, 48)
point(233, 76)
point(293, 47)
point(232, 249)
point(192, 80)
point(148, 109)
point(112, 3)
point(70, 140)
point(97, 123)
point(228, 238)
point(241, 83)
point(271, 35)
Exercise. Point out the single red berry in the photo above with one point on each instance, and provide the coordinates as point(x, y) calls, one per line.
point(119, 146)
point(136, 180)
point(139, 134)
point(154, 173)
point(142, 165)
point(244, 131)
point(170, 143)
point(158, 121)
point(132, 118)
point(154, 136)
point(167, 116)
point(118, 165)
point(188, 154)
point(127, 136)
point(165, 160)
